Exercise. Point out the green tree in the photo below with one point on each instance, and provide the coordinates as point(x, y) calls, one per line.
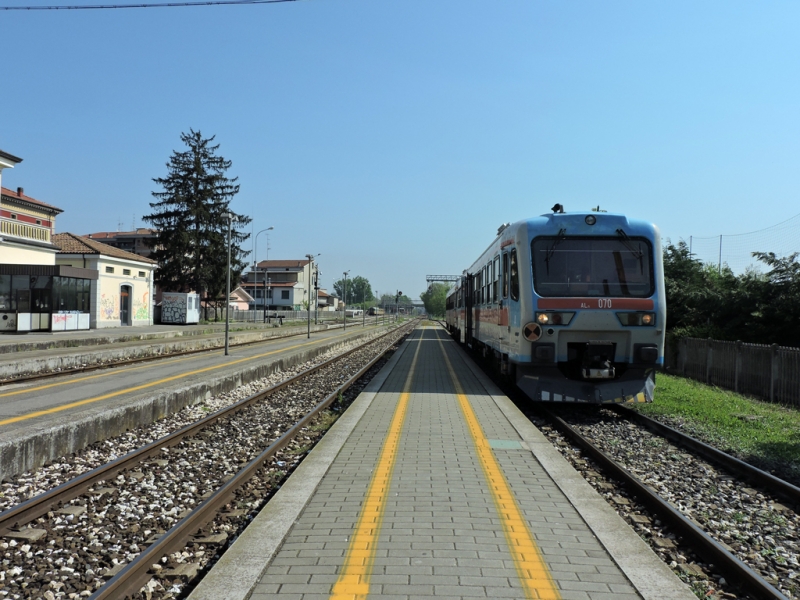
point(190, 216)
point(706, 301)
point(359, 291)
point(434, 299)
point(777, 320)
point(388, 300)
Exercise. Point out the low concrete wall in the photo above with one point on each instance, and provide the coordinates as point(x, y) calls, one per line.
point(27, 449)
point(21, 365)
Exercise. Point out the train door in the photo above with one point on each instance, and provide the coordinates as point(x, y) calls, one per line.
point(469, 300)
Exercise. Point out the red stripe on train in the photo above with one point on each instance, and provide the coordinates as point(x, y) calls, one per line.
point(596, 303)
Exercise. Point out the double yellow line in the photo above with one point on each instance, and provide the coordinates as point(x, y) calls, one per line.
point(353, 582)
point(531, 568)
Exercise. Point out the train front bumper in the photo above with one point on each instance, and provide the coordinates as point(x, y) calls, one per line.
point(548, 384)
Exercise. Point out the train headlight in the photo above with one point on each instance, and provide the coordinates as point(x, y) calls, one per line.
point(590, 220)
point(637, 319)
point(554, 318)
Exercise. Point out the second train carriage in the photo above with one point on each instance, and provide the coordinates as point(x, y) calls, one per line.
point(571, 305)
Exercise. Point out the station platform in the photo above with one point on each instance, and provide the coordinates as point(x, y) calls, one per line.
point(434, 485)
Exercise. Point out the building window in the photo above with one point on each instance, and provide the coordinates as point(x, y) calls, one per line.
point(109, 269)
point(284, 294)
point(126, 271)
point(38, 221)
point(142, 274)
point(13, 216)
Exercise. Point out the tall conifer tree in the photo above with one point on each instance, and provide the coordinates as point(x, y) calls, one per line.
point(190, 216)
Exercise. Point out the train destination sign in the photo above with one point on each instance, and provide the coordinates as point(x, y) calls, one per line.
point(597, 303)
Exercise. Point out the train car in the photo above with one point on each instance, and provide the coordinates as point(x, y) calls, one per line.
point(375, 311)
point(569, 306)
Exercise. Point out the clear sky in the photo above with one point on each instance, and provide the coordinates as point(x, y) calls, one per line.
point(395, 136)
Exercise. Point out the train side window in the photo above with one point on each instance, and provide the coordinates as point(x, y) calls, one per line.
point(483, 285)
point(496, 283)
point(505, 274)
point(514, 275)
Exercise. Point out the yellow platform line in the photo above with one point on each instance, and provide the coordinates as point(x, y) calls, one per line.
point(353, 582)
point(144, 386)
point(531, 569)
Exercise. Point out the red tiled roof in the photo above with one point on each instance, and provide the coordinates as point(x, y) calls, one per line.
point(15, 195)
point(108, 235)
point(282, 264)
point(69, 243)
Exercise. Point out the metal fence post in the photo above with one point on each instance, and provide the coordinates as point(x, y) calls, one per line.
point(709, 358)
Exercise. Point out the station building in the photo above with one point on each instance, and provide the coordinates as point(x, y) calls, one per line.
point(34, 290)
point(123, 294)
point(58, 282)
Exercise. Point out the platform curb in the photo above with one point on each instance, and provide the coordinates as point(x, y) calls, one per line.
point(648, 574)
point(240, 569)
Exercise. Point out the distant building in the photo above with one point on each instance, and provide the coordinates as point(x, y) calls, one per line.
point(123, 292)
point(281, 284)
point(240, 299)
point(141, 241)
point(326, 301)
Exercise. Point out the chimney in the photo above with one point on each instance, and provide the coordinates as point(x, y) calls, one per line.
point(20, 191)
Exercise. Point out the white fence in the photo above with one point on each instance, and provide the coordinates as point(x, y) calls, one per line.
point(767, 372)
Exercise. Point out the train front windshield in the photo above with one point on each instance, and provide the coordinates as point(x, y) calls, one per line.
point(616, 267)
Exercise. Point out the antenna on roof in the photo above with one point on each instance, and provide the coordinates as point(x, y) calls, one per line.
point(133, 223)
point(119, 225)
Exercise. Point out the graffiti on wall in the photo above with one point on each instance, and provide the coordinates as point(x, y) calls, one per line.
point(173, 308)
point(141, 308)
point(109, 307)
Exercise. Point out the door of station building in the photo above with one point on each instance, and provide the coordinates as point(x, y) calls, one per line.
point(125, 305)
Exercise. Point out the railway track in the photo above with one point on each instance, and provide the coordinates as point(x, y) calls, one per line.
point(140, 359)
point(145, 524)
point(741, 535)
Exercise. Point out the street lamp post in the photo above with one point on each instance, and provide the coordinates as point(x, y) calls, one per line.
point(230, 217)
point(310, 258)
point(255, 270)
point(344, 308)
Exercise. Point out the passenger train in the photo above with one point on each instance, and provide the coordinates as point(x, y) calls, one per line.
point(569, 306)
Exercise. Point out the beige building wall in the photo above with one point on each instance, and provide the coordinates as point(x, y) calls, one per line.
point(11, 254)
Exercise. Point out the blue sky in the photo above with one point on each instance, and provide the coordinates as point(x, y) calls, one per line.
point(394, 137)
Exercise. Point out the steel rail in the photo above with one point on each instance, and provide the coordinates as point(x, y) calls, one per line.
point(711, 550)
point(37, 506)
point(734, 465)
point(132, 361)
point(136, 573)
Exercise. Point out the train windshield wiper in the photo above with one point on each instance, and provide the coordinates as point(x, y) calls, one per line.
point(637, 252)
point(552, 249)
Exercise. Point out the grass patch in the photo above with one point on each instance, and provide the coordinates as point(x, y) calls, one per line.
point(763, 434)
point(324, 420)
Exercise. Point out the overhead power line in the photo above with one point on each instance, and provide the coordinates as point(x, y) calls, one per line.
point(153, 5)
